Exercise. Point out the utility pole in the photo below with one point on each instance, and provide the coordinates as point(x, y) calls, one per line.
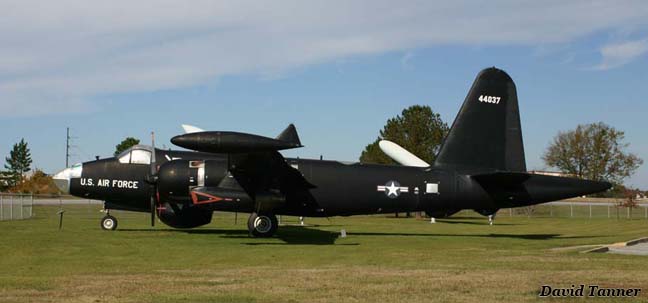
point(67, 148)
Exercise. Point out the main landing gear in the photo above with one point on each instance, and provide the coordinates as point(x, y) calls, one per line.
point(108, 222)
point(262, 225)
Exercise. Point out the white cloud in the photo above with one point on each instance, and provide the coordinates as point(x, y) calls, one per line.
point(56, 55)
point(619, 54)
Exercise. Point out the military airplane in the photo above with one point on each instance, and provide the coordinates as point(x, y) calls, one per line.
point(480, 166)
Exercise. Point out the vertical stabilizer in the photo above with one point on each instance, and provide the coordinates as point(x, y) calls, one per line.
point(486, 134)
point(290, 135)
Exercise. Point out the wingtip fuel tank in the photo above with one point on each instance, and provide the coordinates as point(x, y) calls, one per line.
point(235, 142)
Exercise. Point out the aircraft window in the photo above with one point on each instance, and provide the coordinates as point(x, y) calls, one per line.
point(432, 188)
point(139, 156)
point(125, 158)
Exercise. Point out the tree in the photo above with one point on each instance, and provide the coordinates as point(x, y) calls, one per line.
point(126, 144)
point(629, 202)
point(592, 151)
point(38, 183)
point(418, 129)
point(18, 163)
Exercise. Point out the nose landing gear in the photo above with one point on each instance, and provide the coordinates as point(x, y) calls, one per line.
point(108, 222)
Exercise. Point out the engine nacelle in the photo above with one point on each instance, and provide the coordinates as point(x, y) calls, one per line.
point(183, 216)
point(177, 177)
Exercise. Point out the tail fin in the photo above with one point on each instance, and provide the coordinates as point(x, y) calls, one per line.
point(486, 134)
point(290, 135)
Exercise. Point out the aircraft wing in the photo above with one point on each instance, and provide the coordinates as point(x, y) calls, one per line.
point(266, 171)
point(255, 163)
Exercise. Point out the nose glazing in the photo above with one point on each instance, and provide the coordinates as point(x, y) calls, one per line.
point(62, 179)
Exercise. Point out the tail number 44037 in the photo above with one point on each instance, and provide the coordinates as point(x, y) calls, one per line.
point(489, 99)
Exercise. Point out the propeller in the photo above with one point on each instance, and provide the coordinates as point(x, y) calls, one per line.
point(153, 180)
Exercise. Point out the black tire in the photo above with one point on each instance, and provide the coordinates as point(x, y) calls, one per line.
point(262, 225)
point(108, 223)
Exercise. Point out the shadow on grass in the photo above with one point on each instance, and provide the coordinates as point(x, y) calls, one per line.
point(295, 235)
point(512, 236)
point(460, 221)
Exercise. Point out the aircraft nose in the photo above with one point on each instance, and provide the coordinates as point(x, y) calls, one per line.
point(62, 179)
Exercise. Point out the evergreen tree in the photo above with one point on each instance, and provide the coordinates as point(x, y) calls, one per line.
point(418, 129)
point(18, 163)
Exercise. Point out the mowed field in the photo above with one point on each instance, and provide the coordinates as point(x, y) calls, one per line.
point(382, 259)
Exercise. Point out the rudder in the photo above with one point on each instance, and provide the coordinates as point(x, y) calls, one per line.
point(486, 134)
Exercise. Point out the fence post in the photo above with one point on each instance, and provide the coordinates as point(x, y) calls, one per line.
point(590, 210)
point(22, 205)
point(608, 211)
point(11, 208)
point(551, 210)
point(31, 207)
point(510, 212)
point(571, 210)
point(628, 211)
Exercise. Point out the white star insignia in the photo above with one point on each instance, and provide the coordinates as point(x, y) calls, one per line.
point(392, 189)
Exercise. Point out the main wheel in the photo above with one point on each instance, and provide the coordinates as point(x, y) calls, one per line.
point(262, 225)
point(108, 223)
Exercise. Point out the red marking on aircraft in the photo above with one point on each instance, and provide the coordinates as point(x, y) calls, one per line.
point(210, 198)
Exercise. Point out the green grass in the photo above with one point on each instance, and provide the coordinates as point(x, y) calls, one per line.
point(381, 260)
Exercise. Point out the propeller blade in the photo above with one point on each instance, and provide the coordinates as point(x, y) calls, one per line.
point(153, 178)
point(153, 168)
point(152, 211)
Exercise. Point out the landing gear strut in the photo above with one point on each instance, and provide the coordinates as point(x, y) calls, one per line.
point(108, 222)
point(262, 225)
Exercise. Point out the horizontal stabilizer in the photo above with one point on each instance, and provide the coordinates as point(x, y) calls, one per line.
point(401, 155)
point(511, 189)
point(501, 178)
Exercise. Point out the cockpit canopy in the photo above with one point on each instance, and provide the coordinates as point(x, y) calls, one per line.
point(138, 154)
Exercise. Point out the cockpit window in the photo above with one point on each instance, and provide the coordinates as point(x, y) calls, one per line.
point(139, 156)
point(125, 158)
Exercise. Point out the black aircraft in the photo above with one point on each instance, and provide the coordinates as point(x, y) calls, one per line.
point(481, 166)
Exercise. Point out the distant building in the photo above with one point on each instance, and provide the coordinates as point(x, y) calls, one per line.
point(4, 180)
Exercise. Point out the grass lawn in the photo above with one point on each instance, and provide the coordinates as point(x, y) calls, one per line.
point(381, 260)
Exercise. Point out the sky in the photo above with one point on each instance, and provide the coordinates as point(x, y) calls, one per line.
point(336, 69)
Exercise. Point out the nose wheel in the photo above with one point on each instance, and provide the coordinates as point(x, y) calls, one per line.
point(262, 225)
point(108, 223)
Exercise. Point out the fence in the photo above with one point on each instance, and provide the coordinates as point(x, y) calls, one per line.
point(590, 210)
point(16, 206)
